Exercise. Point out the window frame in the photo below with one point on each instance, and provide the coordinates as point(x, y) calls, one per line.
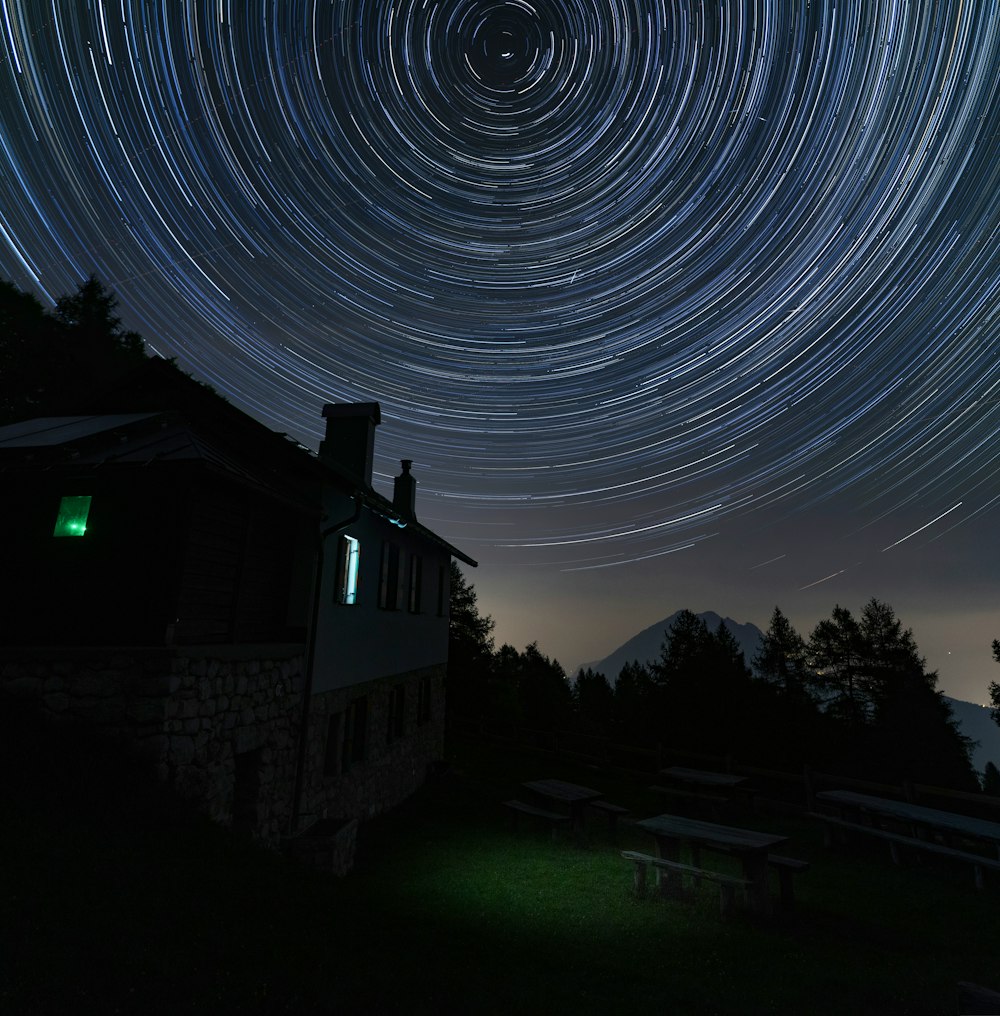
point(416, 578)
point(348, 570)
point(388, 578)
point(354, 748)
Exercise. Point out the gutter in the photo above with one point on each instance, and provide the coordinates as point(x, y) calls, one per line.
point(307, 687)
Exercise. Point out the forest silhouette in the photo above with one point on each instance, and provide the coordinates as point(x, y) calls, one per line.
point(854, 698)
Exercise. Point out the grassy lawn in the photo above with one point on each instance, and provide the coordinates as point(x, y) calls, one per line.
point(116, 899)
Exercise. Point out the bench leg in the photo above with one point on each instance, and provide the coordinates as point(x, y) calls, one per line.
point(695, 850)
point(639, 878)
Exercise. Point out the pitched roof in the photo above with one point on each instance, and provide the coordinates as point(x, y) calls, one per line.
point(177, 419)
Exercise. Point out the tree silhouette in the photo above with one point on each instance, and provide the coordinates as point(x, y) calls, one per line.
point(52, 363)
point(704, 696)
point(594, 701)
point(994, 687)
point(90, 317)
point(470, 646)
point(632, 711)
point(782, 656)
point(871, 680)
point(891, 662)
point(835, 654)
point(29, 355)
point(545, 696)
point(991, 779)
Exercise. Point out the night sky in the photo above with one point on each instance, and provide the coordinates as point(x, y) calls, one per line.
point(672, 304)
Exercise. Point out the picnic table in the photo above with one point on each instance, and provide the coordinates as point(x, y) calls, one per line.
point(571, 795)
point(919, 817)
point(671, 832)
point(703, 777)
point(714, 791)
point(863, 813)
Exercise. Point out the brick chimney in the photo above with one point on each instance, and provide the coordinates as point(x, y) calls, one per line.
point(404, 492)
point(350, 438)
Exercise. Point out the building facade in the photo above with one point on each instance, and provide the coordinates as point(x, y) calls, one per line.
point(255, 620)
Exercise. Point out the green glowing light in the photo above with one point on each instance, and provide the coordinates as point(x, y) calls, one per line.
point(72, 517)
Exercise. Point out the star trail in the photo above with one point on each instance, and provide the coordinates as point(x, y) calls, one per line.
point(633, 280)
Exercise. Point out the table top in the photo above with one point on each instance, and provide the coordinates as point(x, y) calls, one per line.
point(914, 813)
point(703, 777)
point(559, 790)
point(727, 838)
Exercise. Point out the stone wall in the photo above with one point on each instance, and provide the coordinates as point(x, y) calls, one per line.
point(392, 769)
point(219, 723)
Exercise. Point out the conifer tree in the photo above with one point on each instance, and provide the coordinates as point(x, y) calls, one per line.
point(781, 657)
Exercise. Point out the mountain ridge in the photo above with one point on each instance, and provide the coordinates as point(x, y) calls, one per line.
point(973, 720)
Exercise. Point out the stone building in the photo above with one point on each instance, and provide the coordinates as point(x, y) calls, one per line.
point(259, 622)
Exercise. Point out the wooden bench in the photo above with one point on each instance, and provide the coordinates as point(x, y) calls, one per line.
point(728, 884)
point(519, 808)
point(786, 867)
point(613, 813)
point(899, 839)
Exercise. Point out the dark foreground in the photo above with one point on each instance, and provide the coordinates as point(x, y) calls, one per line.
point(116, 898)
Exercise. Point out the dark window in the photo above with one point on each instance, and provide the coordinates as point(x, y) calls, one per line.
point(416, 578)
point(355, 732)
point(424, 701)
point(331, 756)
point(388, 580)
point(397, 704)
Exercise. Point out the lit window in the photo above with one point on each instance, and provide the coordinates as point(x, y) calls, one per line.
point(72, 517)
point(349, 554)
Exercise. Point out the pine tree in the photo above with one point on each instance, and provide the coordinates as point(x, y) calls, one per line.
point(53, 363)
point(594, 700)
point(994, 687)
point(991, 779)
point(470, 646)
point(782, 656)
point(29, 356)
point(835, 664)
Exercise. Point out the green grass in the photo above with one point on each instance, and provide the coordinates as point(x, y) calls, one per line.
point(116, 898)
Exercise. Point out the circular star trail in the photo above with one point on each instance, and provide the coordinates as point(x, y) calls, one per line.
point(617, 272)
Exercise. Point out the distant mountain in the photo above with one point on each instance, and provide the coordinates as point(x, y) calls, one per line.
point(645, 647)
point(973, 720)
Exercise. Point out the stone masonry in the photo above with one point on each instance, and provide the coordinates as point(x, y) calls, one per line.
point(221, 725)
